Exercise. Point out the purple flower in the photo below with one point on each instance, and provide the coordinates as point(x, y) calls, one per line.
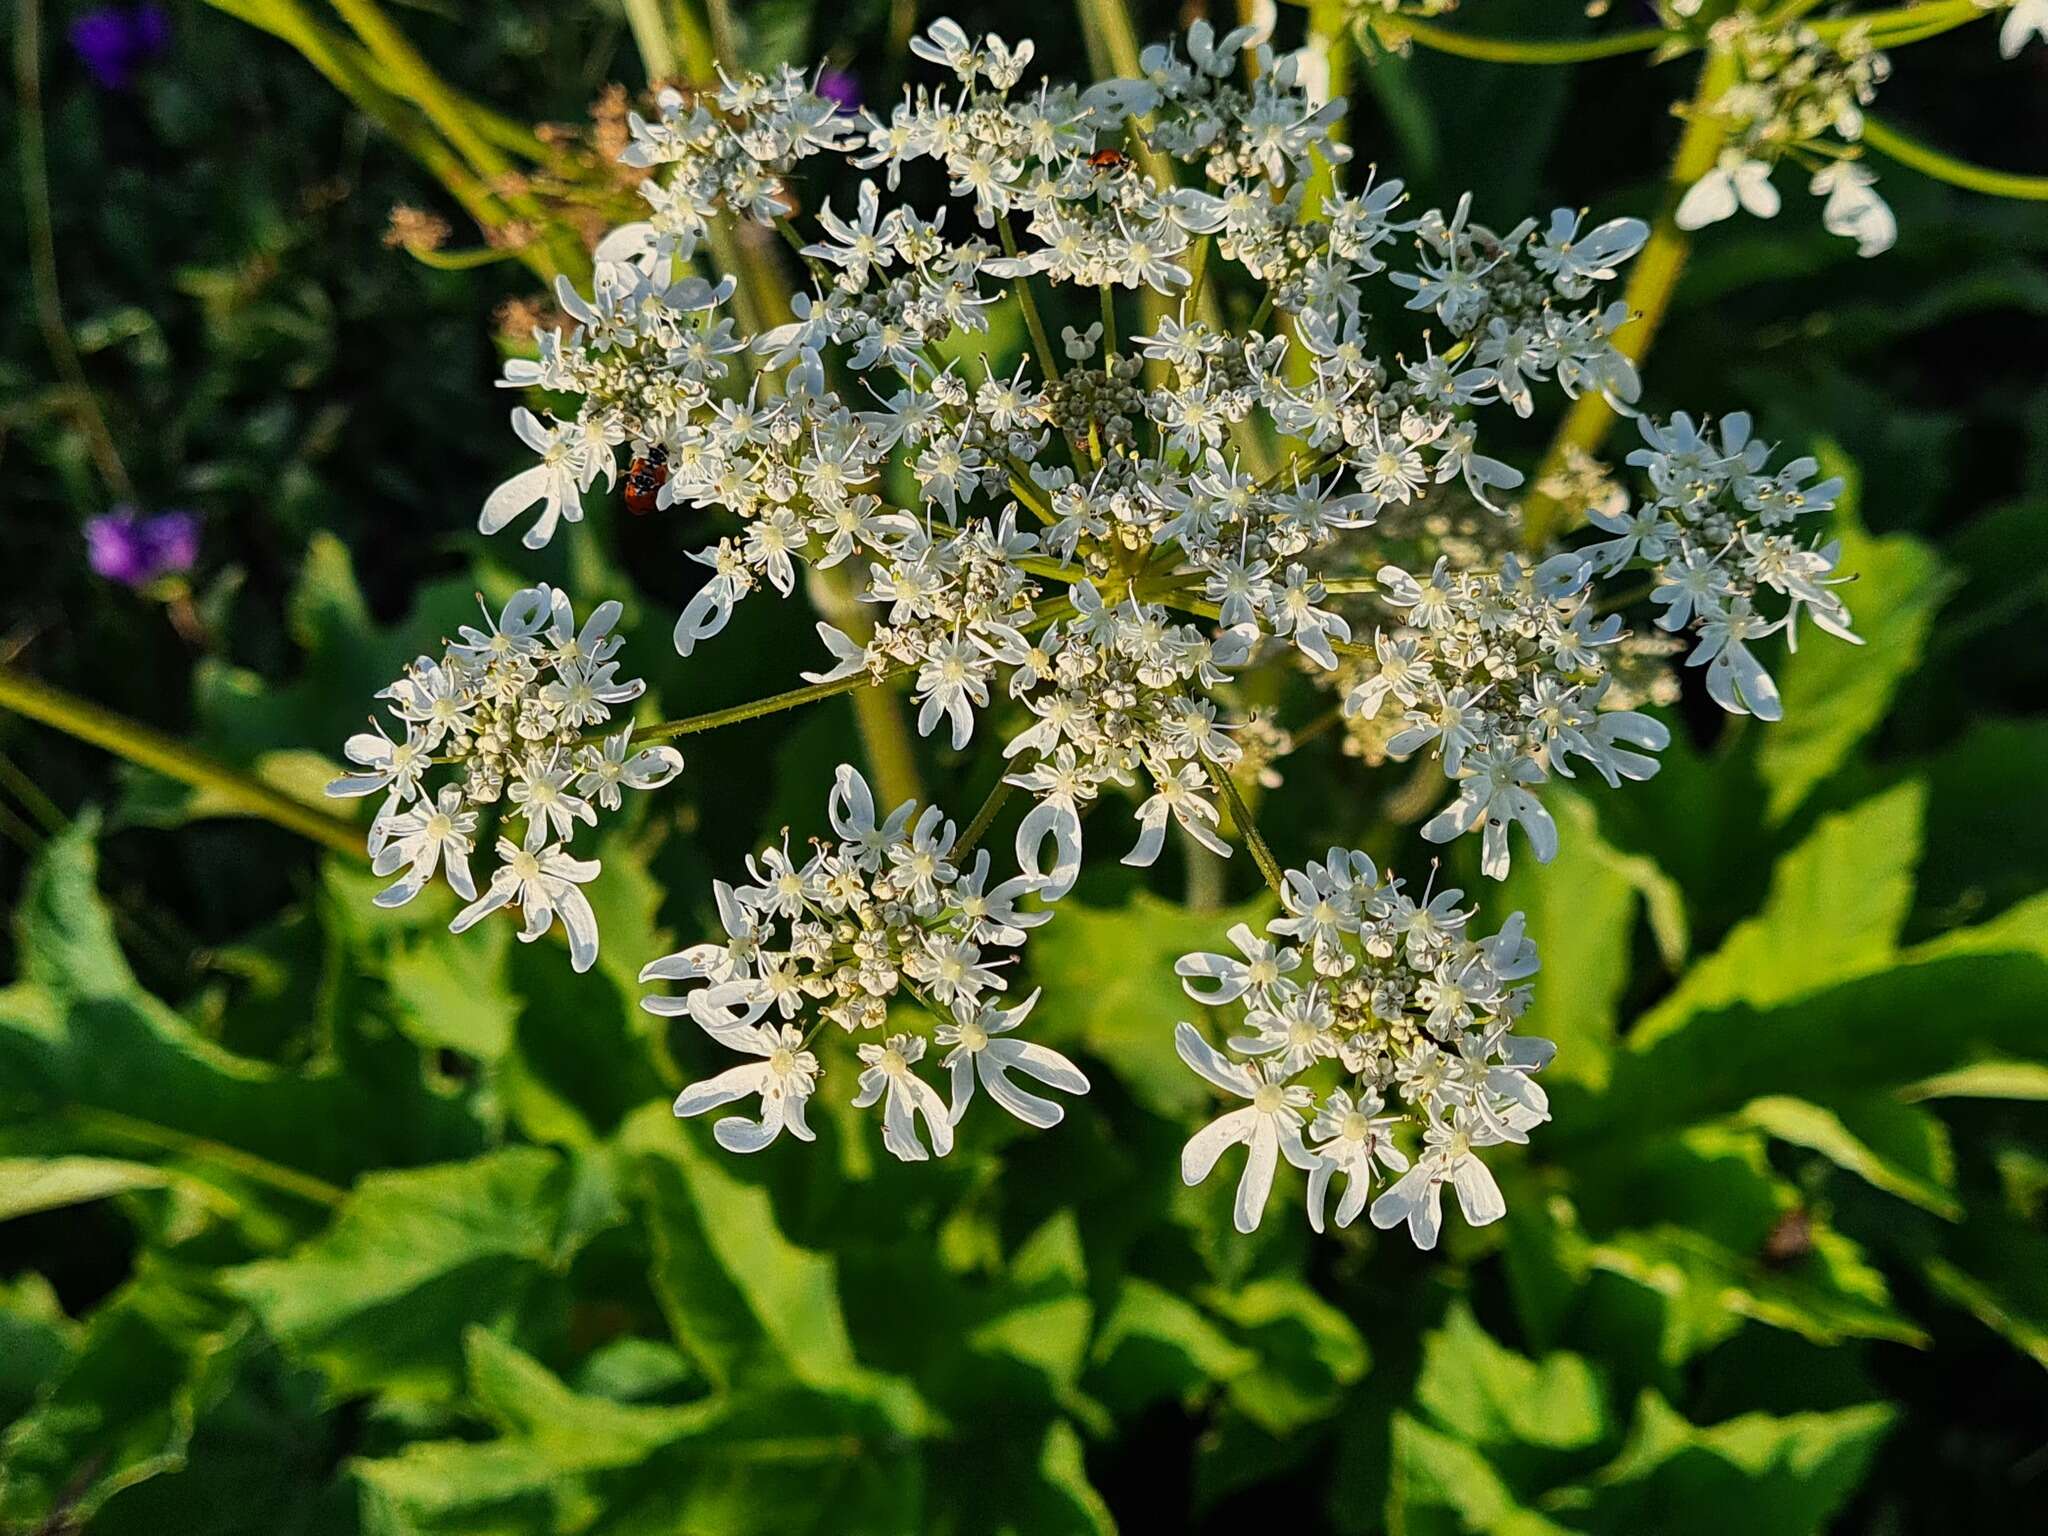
point(116, 41)
point(134, 550)
point(837, 85)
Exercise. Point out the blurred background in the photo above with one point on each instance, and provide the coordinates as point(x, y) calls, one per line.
point(316, 1219)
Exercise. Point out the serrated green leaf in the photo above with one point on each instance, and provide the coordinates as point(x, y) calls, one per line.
point(1308, 1352)
point(743, 1300)
point(91, 1063)
point(1837, 903)
point(1443, 1487)
point(1489, 1396)
point(1157, 1344)
point(1758, 1473)
point(383, 1299)
point(1900, 1150)
point(123, 1408)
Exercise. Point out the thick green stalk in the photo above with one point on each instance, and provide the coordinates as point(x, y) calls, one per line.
point(1520, 50)
point(1929, 161)
point(149, 748)
point(1653, 280)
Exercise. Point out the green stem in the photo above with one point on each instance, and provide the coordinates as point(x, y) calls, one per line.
point(1905, 23)
point(1048, 362)
point(1519, 50)
point(1269, 867)
point(258, 1170)
point(1930, 161)
point(42, 247)
point(352, 71)
point(754, 709)
point(150, 748)
point(1652, 282)
point(983, 819)
point(412, 77)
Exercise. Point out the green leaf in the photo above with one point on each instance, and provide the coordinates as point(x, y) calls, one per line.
point(1836, 693)
point(1109, 988)
point(1581, 911)
point(89, 1062)
point(1837, 903)
point(36, 1339)
point(1984, 1080)
point(451, 990)
point(382, 1299)
point(30, 1184)
point(1996, 1269)
point(1443, 1487)
point(1987, 986)
point(1898, 1149)
point(1490, 1396)
point(1046, 1321)
point(770, 1461)
point(1758, 1474)
point(1710, 1290)
point(1156, 1344)
point(743, 1300)
point(123, 1409)
point(1308, 1352)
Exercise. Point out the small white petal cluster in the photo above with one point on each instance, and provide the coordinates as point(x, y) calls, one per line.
point(1374, 1039)
point(509, 716)
point(1717, 531)
point(1797, 96)
point(892, 912)
point(1501, 677)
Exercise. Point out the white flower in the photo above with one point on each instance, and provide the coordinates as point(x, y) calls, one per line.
point(906, 1096)
point(1270, 1125)
point(1736, 181)
point(1853, 208)
point(1260, 974)
point(1493, 794)
point(2027, 20)
point(980, 1050)
point(606, 771)
point(543, 885)
point(389, 765)
point(427, 838)
point(556, 482)
point(784, 1079)
point(1417, 1196)
point(1348, 1139)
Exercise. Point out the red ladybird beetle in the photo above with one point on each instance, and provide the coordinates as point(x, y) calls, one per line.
point(1109, 159)
point(644, 480)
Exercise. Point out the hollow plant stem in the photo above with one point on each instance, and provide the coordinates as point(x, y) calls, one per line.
point(149, 748)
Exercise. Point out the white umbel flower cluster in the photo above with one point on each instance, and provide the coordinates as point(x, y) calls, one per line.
point(1800, 97)
point(1192, 468)
point(1375, 1038)
point(1268, 381)
point(1717, 531)
point(893, 913)
point(513, 717)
